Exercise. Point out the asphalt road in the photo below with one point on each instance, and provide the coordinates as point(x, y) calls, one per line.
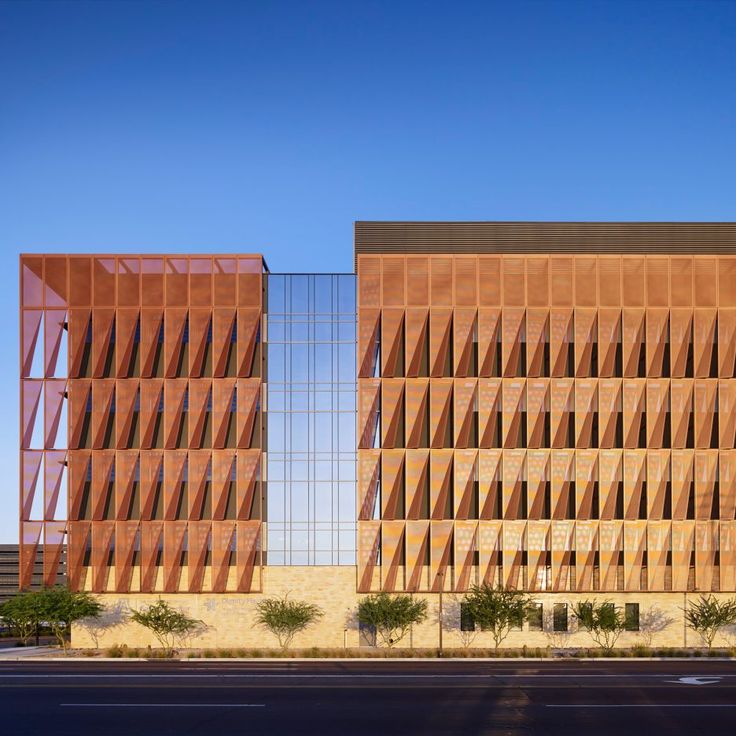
point(379, 698)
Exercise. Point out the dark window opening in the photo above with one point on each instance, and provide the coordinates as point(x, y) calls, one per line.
point(559, 617)
point(467, 623)
point(631, 617)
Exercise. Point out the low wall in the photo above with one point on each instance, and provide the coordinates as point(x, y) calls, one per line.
point(229, 618)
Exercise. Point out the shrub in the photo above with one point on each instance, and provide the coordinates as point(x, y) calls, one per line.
point(640, 650)
point(167, 624)
point(391, 615)
point(22, 614)
point(57, 607)
point(115, 651)
point(62, 607)
point(496, 609)
point(603, 621)
point(285, 618)
point(707, 616)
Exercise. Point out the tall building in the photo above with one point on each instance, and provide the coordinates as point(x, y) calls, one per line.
point(544, 406)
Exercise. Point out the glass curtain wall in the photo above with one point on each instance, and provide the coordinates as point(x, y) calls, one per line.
point(311, 446)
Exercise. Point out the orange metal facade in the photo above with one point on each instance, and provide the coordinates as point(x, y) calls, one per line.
point(561, 422)
point(151, 418)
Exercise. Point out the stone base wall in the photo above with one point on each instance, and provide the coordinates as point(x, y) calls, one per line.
point(229, 618)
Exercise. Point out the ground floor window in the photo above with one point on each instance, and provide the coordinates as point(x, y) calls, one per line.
point(559, 617)
point(631, 617)
point(467, 623)
point(535, 617)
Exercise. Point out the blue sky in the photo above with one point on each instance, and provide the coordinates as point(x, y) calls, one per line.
point(272, 126)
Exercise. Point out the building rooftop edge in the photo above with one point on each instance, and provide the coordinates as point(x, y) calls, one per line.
point(118, 254)
point(140, 254)
point(528, 237)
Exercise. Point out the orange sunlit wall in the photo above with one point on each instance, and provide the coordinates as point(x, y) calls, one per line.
point(141, 421)
point(561, 422)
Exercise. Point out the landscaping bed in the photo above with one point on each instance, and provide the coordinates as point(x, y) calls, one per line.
point(643, 652)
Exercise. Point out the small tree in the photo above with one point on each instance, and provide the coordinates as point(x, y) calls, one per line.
point(285, 618)
point(467, 631)
point(496, 609)
point(653, 621)
point(61, 607)
point(603, 621)
point(391, 615)
point(708, 616)
point(22, 614)
point(167, 624)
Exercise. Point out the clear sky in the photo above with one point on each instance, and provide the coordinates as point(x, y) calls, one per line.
point(272, 126)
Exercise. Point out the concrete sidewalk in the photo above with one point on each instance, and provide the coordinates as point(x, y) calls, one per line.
point(14, 654)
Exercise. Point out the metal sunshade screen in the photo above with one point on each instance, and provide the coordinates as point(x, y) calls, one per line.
point(568, 374)
point(119, 357)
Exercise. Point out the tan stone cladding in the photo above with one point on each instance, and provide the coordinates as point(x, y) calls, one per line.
point(551, 422)
point(230, 617)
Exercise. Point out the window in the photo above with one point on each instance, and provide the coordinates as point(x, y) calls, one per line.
point(312, 418)
point(559, 617)
point(518, 624)
point(631, 617)
point(586, 609)
point(535, 617)
point(466, 618)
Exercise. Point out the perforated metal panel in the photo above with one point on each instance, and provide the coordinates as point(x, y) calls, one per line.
point(580, 400)
point(141, 428)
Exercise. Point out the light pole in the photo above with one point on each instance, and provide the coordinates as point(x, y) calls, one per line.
point(684, 623)
point(441, 576)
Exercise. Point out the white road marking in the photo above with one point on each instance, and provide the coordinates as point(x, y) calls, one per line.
point(646, 705)
point(162, 705)
point(584, 676)
point(696, 680)
point(242, 675)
